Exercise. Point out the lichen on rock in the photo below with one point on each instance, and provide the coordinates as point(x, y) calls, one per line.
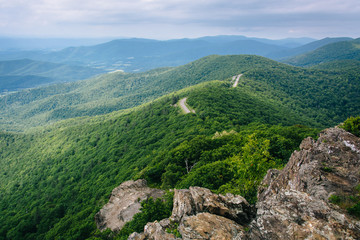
point(293, 203)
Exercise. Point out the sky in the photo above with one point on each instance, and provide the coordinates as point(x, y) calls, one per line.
point(171, 19)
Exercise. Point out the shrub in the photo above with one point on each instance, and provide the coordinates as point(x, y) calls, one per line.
point(352, 125)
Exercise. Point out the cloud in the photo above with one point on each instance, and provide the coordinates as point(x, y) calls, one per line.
point(109, 17)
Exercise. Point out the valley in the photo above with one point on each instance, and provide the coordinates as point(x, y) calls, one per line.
point(213, 121)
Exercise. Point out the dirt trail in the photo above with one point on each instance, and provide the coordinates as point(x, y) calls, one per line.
point(237, 80)
point(183, 106)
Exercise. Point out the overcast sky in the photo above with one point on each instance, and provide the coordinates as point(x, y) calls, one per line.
point(168, 19)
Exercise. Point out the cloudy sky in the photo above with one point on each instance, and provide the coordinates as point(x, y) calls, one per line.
point(167, 19)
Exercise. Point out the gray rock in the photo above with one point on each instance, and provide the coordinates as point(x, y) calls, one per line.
point(188, 202)
point(154, 231)
point(124, 203)
point(294, 203)
point(210, 226)
point(202, 214)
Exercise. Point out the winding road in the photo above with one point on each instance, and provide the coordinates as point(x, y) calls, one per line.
point(237, 80)
point(182, 102)
point(183, 106)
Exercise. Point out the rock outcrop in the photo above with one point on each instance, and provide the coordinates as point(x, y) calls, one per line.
point(294, 203)
point(189, 202)
point(124, 203)
point(201, 214)
point(155, 231)
point(210, 226)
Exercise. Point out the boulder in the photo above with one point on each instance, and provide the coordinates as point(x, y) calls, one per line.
point(124, 203)
point(188, 202)
point(154, 231)
point(201, 214)
point(209, 226)
point(294, 203)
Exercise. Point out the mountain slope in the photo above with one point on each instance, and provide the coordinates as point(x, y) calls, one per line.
point(145, 54)
point(17, 74)
point(116, 91)
point(330, 52)
point(327, 96)
point(287, 42)
point(346, 65)
point(53, 180)
point(17, 83)
point(287, 53)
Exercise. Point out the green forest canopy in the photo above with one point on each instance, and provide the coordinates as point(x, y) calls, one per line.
point(54, 179)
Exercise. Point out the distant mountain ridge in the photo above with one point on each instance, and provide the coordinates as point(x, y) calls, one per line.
point(342, 50)
point(25, 44)
point(136, 54)
point(284, 54)
point(26, 73)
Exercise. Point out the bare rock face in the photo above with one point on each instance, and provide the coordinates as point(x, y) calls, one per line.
point(124, 203)
point(201, 214)
point(210, 226)
point(188, 202)
point(294, 203)
point(154, 231)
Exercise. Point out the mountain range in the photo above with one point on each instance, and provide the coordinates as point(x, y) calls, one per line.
point(19, 74)
point(133, 55)
point(342, 50)
point(64, 147)
point(41, 67)
point(279, 83)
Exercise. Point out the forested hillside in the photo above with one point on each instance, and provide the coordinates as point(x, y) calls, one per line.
point(335, 51)
point(327, 96)
point(282, 55)
point(55, 179)
point(115, 91)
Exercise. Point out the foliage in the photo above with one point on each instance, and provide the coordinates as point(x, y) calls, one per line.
point(249, 167)
point(335, 51)
point(352, 125)
point(319, 97)
point(173, 229)
point(335, 199)
point(349, 202)
point(63, 174)
point(114, 91)
point(54, 179)
point(329, 97)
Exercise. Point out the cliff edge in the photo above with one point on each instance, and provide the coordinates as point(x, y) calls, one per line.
point(315, 196)
point(311, 197)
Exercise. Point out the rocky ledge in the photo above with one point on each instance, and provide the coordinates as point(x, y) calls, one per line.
point(202, 214)
point(124, 203)
point(292, 203)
